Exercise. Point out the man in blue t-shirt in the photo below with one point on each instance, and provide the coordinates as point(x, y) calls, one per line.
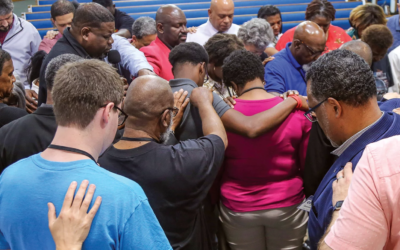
point(87, 96)
point(286, 71)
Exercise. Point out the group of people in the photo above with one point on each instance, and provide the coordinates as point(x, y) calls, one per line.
point(147, 134)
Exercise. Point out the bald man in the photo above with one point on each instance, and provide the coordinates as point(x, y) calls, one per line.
point(220, 17)
point(176, 179)
point(171, 31)
point(286, 71)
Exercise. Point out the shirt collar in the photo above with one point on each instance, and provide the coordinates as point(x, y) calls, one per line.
point(212, 30)
point(161, 43)
point(74, 43)
point(339, 151)
point(291, 58)
point(181, 82)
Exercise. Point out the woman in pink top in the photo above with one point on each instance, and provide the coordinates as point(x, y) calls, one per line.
point(262, 183)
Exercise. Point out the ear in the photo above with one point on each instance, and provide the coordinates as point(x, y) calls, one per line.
point(134, 39)
point(53, 21)
point(202, 68)
point(337, 107)
point(165, 118)
point(106, 115)
point(160, 28)
point(296, 44)
point(85, 31)
point(209, 12)
point(235, 87)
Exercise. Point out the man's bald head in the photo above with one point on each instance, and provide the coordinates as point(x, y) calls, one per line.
point(221, 14)
point(171, 25)
point(147, 97)
point(308, 42)
point(360, 48)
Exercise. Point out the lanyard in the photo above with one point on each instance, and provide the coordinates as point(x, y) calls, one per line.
point(74, 150)
point(137, 139)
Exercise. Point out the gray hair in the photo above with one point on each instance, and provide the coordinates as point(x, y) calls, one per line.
point(6, 6)
point(342, 75)
point(144, 26)
point(55, 64)
point(257, 32)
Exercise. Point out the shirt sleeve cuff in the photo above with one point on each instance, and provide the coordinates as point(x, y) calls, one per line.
point(335, 242)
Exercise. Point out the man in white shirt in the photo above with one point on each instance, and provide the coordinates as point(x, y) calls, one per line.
point(220, 17)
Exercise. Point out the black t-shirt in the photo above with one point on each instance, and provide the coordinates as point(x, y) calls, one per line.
point(27, 136)
point(9, 114)
point(123, 21)
point(176, 180)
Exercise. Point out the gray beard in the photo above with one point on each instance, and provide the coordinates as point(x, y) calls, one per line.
point(164, 136)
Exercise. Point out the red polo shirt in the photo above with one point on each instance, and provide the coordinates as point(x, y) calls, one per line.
point(157, 55)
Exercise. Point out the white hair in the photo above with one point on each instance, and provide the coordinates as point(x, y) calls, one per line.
point(144, 26)
point(258, 32)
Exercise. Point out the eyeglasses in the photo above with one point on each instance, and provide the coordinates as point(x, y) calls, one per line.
point(310, 114)
point(174, 111)
point(313, 52)
point(122, 116)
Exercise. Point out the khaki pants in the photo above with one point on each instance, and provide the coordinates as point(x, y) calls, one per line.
point(281, 228)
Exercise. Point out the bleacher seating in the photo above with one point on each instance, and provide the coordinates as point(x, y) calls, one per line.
point(196, 12)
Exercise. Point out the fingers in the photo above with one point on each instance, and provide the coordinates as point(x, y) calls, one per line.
point(34, 95)
point(185, 103)
point(88, 199)
point(70, 195)
point(348, 170)
point(177, 95)
point(51, 214)
point(94, 209)
point(76, 204)
point(339, 175)
point(182, 98)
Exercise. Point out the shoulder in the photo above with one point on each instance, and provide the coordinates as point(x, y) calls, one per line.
point(389, 105)
point(13, 172)
point(148, 50)
point(13, 111)
point(393, 19)
point(384, 156)
point(28, 26)
point(280, 58)
point(235, 28)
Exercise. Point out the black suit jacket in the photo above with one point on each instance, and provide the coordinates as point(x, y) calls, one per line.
point(65, 45)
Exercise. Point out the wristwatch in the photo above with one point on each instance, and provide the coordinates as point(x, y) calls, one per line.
point(338, 205)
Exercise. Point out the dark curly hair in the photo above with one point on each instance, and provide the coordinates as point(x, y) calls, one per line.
point(320, 8)
point(35, 63)
point(241, 67)
point(378, 35)
point(189, 52)
point(220, 46)
point(343, 75)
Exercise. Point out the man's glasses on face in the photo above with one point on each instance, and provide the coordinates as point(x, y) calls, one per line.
point(313, 52)
point(310, 115)
point(122, 116)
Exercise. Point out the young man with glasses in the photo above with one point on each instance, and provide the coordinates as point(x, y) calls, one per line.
point(343, 99)
point(85, 94)
point(287, 70)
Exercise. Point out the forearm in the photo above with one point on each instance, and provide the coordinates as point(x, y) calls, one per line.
point(211, 122)
point(259, 124)
point(322, 245)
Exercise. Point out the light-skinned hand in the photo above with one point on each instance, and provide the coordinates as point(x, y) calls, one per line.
point(73, 224)
point(230, 101)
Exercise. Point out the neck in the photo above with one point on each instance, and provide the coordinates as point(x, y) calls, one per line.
point(256, 93)
point(49, 99)
point(75, 138)
point(187, 72)
point(360, 118)
point(162, 40)
point(134, 133)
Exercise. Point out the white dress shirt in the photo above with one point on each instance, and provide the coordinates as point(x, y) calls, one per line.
point(205, 31)
point(394, 59)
